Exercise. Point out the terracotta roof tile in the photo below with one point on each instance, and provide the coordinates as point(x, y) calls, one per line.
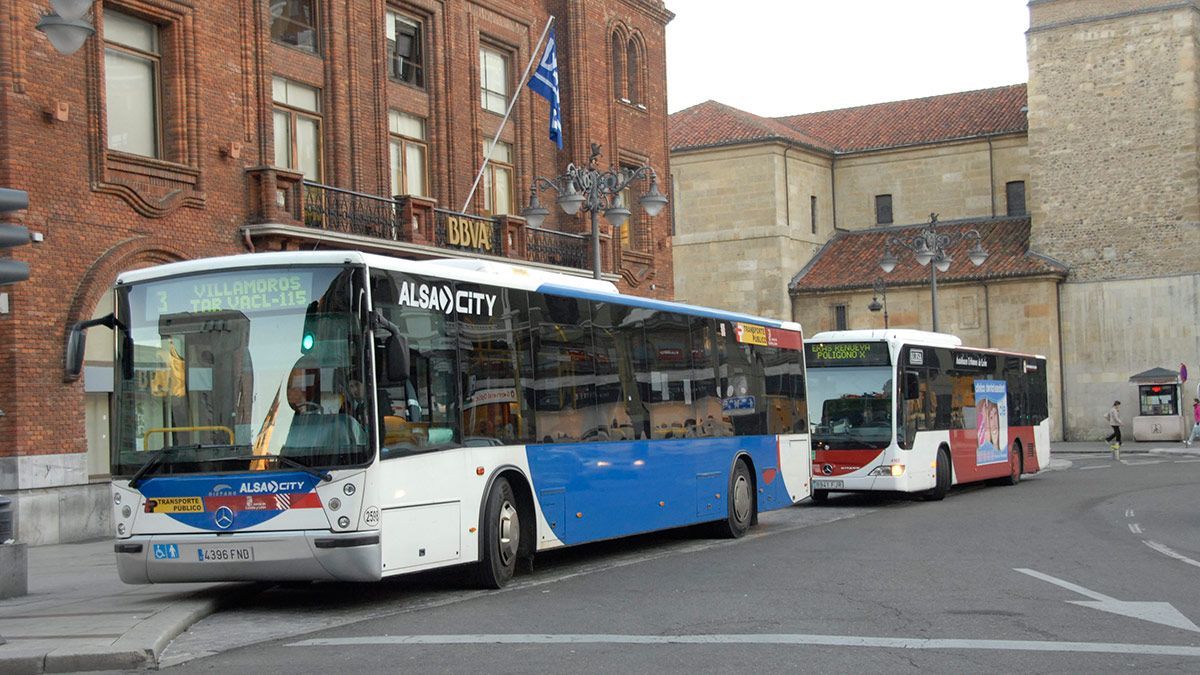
point(850, 260)
point(882, 125)
point(711, 123)
point(919, 120)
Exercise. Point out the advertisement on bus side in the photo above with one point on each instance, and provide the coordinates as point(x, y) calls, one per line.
point(991, 413)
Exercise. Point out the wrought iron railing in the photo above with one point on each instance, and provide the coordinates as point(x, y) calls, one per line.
point(556, 248)
point(338, 210)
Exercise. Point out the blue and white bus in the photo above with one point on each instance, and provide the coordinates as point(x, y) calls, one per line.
point(335, 415)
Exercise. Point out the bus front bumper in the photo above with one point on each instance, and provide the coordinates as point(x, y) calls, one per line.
point(250, 556)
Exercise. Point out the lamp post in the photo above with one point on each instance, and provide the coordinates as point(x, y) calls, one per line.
point(929, 246)
point(879, 289)
point(593, 190)
point(65, 27)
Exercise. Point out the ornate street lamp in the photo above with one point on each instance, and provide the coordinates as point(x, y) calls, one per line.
point(929, 246)
point(594, 191)
point(880, 289)
point(65, 27)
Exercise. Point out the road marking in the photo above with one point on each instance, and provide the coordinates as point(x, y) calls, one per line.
point(1128, 513)
point(797, 639)
point(1141, 462)
point(1168, 552)
point(1156, 612)
point(1135, 528)
point(1098, 466)
point(1186, 461)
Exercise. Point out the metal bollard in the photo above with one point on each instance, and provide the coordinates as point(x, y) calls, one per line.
point(7, 533)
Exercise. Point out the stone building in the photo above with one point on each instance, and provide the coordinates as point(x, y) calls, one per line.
point(1091, 166)
point(185, 129)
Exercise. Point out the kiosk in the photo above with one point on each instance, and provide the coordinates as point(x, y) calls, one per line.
point(1160, 411)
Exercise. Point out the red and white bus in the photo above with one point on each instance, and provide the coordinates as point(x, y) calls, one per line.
point(913, 411)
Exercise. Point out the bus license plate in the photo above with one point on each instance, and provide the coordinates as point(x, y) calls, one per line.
point(225, 553)
point(827, 484)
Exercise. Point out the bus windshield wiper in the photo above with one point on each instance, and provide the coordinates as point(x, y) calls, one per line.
point(163, 454)
point(279, 459)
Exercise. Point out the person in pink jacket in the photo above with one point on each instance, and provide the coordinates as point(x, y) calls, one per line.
point(1195, 435)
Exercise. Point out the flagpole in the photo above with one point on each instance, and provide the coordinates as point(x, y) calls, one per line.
point(487, 155)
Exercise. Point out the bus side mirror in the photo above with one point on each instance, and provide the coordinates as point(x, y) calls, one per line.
point(77, 340)
point(912, 387)
point(396, 360)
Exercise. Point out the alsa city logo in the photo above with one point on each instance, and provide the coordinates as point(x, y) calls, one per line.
point(269, 487)
point(442, 299)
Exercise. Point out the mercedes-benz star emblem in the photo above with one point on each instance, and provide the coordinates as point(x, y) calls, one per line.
point(827, 469)
point(223, 517)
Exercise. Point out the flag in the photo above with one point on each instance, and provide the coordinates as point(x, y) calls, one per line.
point(545, 83)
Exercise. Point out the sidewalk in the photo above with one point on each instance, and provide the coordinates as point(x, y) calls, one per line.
point(79, 616)
point(1127, 448)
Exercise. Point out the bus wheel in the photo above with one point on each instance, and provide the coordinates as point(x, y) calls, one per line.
point(500, 536)
point(942, 486)
point(741, 503)
point(1016, 465)
point(819, 496)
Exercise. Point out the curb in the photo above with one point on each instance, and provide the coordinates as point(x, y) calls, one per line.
point(139, 648)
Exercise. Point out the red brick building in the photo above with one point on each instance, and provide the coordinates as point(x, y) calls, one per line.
point(185, 129)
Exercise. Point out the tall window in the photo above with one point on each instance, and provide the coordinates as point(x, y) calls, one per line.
point(131, 74)
point(1014, 193)
point(493, 80)
point(408, 154)
point(618, 67)
point(883, 209)
point(628, 199)
point(498, 180)
point(294, 23)
point(297, 127)
point(406, 59)
point(839, 317)
point(633, 72)
point(812, 210)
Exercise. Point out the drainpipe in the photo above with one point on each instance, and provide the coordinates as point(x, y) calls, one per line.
point(992, 175)
point(787, 190)
point(987, 307)
point(1062, 379)
point(833, 192)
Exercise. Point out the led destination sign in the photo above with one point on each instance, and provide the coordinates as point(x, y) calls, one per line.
point(826, 354)
point(241, 291)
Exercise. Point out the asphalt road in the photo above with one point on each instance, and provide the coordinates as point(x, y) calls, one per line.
point(1069, 571)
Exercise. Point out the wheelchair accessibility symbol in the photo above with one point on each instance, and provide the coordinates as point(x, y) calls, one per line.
point(166, 552)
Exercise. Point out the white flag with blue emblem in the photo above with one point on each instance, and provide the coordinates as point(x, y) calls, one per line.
point(545, 83)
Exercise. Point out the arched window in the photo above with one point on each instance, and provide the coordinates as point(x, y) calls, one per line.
point(633, 66)
point(618, 66)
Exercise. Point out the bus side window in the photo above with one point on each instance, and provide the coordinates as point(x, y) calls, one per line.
point(911, 408)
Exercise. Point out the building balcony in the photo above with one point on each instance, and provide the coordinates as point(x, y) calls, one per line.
point(290, 213)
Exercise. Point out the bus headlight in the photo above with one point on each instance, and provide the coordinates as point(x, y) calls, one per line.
point(893, 470)
point(897, 470)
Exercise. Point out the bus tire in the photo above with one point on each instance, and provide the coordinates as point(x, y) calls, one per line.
point(819, 496)
point(500, 537)
point(942, 484)
point(741, 505)
point(1016, 465)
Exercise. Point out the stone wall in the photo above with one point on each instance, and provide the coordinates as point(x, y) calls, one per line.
point(959, 180)
point(1019, 315)
point(1113, 137)
point(739, 235)
point(1115, 329)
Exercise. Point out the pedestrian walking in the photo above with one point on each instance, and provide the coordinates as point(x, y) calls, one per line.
point(1114, 419)
point(1195, 435)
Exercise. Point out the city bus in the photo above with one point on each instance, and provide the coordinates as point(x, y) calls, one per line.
point(337, 415)
point(914, 411)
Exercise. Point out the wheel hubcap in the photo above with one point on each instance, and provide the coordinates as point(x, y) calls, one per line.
point(741, 499)
point(509, 528)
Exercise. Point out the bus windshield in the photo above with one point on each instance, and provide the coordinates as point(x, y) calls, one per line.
point(241, 370)
point(854, 405)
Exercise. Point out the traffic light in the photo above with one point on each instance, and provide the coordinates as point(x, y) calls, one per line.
point(12, 271)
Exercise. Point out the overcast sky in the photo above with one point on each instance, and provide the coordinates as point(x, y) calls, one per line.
point(784, 57)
